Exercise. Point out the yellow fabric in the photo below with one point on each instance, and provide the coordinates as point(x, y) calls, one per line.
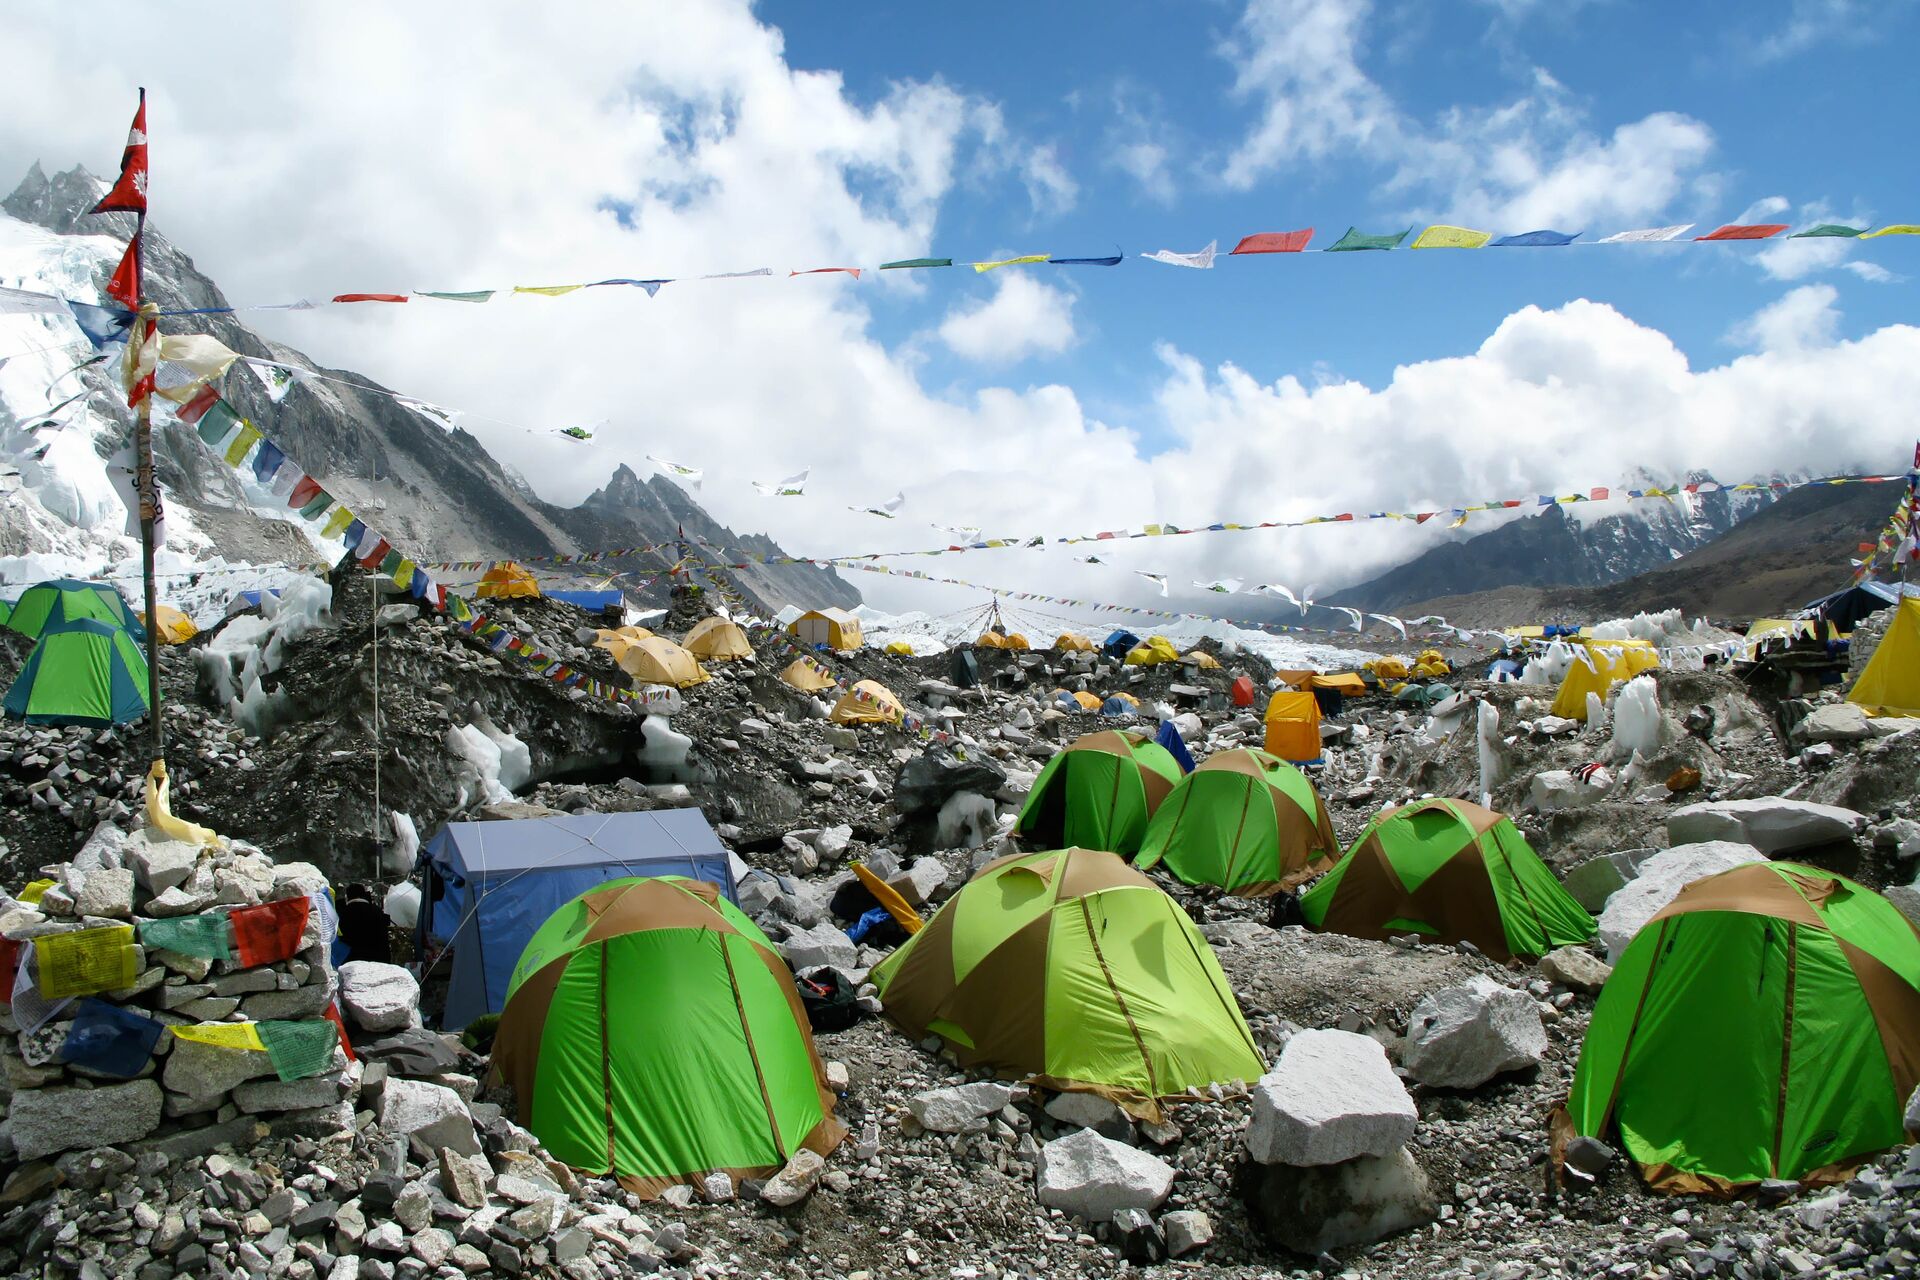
point(200, 356)
point(506, 581)
point(806, 677)
point(990, 640)
point(225, 1035)
point(900, 647)
point(717, 639)
point(868, 702)
point(160, 814)
point(1204, 660)
point(1890, 686)
point(87, 962)
point(1069, 642)
point(1015, 640)
point(243, 442)
point(175, 627)
point(1127, 698)
point(1431, 670)
point(1613, 662)
point(1388, 668)
point(1087, 701)
point(1897, 229)
point(1348, 683)
point(658, 660)
point(835, 628)
point(1293, 726)
point(1022, 260)
point(1442, 237)
point(547, 290)
point(32, 891)
point(1156, 650)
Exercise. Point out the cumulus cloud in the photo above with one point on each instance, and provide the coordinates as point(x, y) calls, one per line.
point(1527, 163)
point(1023, 318)
point(1804, 317)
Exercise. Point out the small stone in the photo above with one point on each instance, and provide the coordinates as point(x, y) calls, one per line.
point(1187, 1231)
point(1092, 1176)
point(796, 1181)
point(1576, 968)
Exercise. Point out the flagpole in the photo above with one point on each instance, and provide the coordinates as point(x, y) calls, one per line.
point(149, 496)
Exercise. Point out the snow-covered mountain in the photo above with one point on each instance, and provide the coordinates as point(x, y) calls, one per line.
point(436, 493)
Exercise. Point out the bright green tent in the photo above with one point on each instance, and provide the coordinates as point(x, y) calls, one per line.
point(1075, 969)
point(1246, 821)
point(651, 1031)
point(49, 604)
point(6, 613)
point(82, 672)
point(1454, 872)
point(1098, 793)
point(1765, 1024)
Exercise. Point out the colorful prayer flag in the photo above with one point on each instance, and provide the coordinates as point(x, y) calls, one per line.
point(1648, 235)
point(129, 191)
point(200, 935)
point(1275, 242)
point(1444, 237)
point(980, 267)
point(826, 271)
point(1897, 229)
point(1356, 240)
point(270, 932)
point(547, 290)
point(224, 1035)
point(908, 264)
point(85, 962)
point(1203, 260)
point(109, 1039)
point(1536, 240)
point(1754, 231)
point(1828, 229)
point(243, 442)
point(124, 285)
point(1112, 261)
point(471, 295)
point(299, 1049)
point(369, 297)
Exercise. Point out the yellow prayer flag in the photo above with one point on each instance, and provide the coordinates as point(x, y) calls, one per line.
point(243, 442)
point(203, 357)
point(85, 962)
point(337, 524)
point(30, 893)
point(1443, 237)
point(1011, 262)
point(547, 290)
point(1897, 229)
point(404, 574)
point(225, 1035)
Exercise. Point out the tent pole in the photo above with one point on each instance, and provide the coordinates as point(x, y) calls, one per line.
point(149, 495)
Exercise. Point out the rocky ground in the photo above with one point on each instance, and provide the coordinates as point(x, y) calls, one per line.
point(934, 1181)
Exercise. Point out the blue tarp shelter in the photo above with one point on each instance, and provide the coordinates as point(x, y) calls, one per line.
point(1118, 642)
point(593, 601)
point(1846, 609)
point(1169, 737)
point(489, 885)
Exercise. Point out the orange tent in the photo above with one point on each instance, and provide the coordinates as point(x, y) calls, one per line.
point(1293, 726)
point(506, 580)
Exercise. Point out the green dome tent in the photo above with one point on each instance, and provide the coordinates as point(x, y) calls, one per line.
point(1246, 821)
point(1765, 1024)
point(1072, 967)
point(1098, 793)
point(652, 1032)
point(82, 672)
point(1454, 872)
point(50, 604)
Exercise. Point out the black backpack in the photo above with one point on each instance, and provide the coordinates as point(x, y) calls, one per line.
point(830, 1000)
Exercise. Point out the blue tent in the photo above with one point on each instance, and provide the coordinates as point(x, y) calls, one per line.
point(1846, 609)
point(1118, 642)
point(592, 601)
point(491, 884)
point(1169, 737)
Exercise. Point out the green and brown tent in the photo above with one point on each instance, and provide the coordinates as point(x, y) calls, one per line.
point(52, 604)
point(1452, 872)
point(1098, 793)
point(1071, 967)
point(652, 1032)
point(1246, 821)
point(1765, 1024)
point(81, 672)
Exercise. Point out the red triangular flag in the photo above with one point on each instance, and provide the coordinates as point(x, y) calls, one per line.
point(129, 193)
point(124, 287)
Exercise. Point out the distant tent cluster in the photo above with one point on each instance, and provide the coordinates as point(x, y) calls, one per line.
point(87, 665)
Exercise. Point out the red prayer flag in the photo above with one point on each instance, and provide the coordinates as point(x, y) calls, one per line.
point(1598, 494)
point(195, 409)
point(332, 1015)
point(124, 286)
point(1275, 242)
point(270, 932)
point(9, 966)
point(304, 492)
point(129, 193)
point(369, 297)
point(1757, 231)
point(827, 271)
point(372, 559)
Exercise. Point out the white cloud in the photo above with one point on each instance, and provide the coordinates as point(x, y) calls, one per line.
point(1873, 272)
point(1520, 165)
point(1139, 143)
point(1023, 318)
point(1814, 22)
point(1049, 186)
point(1802, 318)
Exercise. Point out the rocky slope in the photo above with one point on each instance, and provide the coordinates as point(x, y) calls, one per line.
point(438, 493)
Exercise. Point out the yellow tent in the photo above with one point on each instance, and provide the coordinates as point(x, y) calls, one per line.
point(1156, 650)
point(868, 702)
point(658, 660)
point(717, 639)
point(1127, 698)
point(628, 634)
point(1294, 679)
point(991, 640)
point(1293, 726)
point(1348, 683)
point(1202, 659)
point(1085, 701)
point(506, 580)
point(1890, 686)
point(900, 648)
point(1612, 661)
point(1430, 663)
point(1015, 640)
point(175, 627)
point(806, 677)
point(1069, 642)
point(1388, 668)
point(834, 628)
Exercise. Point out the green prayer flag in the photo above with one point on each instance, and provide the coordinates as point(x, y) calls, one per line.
point(217, 422)
point(299, 1049)
point(1356, 240)
point(473, 295)
point(1827, 229)
point(205, 935)
point(313, 509)
point(392, 561)
point(905, 263)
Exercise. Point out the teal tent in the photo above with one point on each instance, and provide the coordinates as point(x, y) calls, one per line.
point(49, 604)
point(81, 672)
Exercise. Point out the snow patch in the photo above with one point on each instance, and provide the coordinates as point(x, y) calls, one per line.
point(236, 661)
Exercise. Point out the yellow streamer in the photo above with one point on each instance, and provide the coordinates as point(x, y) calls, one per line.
point(547, 290)
point(1897, 229)
point(1444, 237)
point(225, 1035)
point(1011, 262)
point(86, 962)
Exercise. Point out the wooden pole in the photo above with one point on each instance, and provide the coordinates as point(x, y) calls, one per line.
point(149, 495)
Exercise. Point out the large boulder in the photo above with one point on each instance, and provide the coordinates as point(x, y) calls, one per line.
point(1835, 722)
point(959, 1108)
point(1092, 1176)
point(1661, 877)
point(925, 782)
point(45, 1121)
point(1311, 1209)
point(1461, 1037)
point(1332, 1097)
point(414, 1106)
point(376, 996)
point(161, 864)
point(822, 944)
point(205, 1071)
point(1593, 881)
point(1770, 824)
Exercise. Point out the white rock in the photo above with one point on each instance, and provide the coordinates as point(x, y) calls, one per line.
point(1092, 1176)
point(1575, 968)
point(1461, 1037)
point(161, 864)
point(822, 944)
point(1771, 824)
point(1186, 1231)
point(795, 1182)
point(1332, 1097)
point(927, 876)
point(1660, 878)
point(376, 996)
point(959, 1108)
point(1554, 790)
point(1091, 1111)
point(1835, 722)
point(409, 1105)
point(831, 842)
point(1913, 1114)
